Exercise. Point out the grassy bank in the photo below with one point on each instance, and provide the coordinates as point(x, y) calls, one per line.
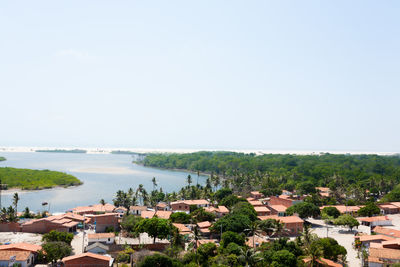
point(35, 179)
point(2, 158)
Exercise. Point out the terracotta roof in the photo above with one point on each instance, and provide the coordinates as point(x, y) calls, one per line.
point(323, 189)
point(20, 255)
point(255, 193)
point(343, 208)
point(287, 219)
point(160, 214)
point(278, 208)
point(257, 240)
point(256, 203)
point(374, 219)
point(192, 202)
point(250, 199)
point(325, 262)
point(388, 206)
point(367, 238)
point(392, 241)
point(121, 208)
point(387, 231)
point(223, 209)
point(261, 209)
point(182, 228)
point(204, 224)
point(397, 204)
point(94, 208)
point(384, 253)
point(161, 205)
point(88, 254)
point(101, 235)
point(22, 246)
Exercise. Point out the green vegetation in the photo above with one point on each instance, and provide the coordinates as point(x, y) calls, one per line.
point(347, 220)
point(304, 209)
point(345, 175)
point(62, 150)
point(369, 210)
point(35, 179)
point(2, 158)
point(55, 236)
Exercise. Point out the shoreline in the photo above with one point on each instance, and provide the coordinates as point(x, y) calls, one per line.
point(22, 191)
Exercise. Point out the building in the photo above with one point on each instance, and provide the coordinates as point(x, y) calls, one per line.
point(381, 257)
point(98, 248)
point(375, 221)
point(104, 221)
point(284, 200)
point(386, 231)
point(148, 214)
point(94, 209)
point(137, 210)
point(105, 238)
point(389, 208)
point(279, 210)
point(322, 262)
point(87, 260)
point(183, 230)
point(162, 206)
point(22, 258)
point(262, 211)
point(256, 195)
point(204, 228)
point(292, 224)
point(184, 205)
point(63, 223)
point(352, 210)
point(219, 212)
point(256, 203)
point(323, 191)
point(22, 247)
point(366, 240)
point(121, 211)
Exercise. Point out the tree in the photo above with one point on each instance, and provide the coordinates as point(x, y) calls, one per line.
point(206, 251)
point(331, 249)
point(230, 201)
point(180, 217)
point(221, 193)
point(15, 201)
point(155, 227)
point(331, 212)
point(307, 187)
point(129, 224)
point(200, 215)
point(102, 202)
point(27, 213)
point(283, 258)
point(157, 260)
point(245, 208)
point(54, 251)
point(304, 209)
point(54, 236)
point(189, 180)
point(346, 220)
point(231, 222)
point(154, 181)
point(232, 237)
point(369, 210)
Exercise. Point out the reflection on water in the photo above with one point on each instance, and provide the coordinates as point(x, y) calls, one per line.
point(102, 175)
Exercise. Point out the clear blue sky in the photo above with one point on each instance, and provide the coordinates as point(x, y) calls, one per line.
point(319, 75)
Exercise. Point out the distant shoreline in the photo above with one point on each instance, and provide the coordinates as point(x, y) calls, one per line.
point(184, 151)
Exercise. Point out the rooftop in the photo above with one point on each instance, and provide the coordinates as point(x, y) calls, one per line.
point(88, 254)
point(101, 235)
point(21, 246)
point(5, 255)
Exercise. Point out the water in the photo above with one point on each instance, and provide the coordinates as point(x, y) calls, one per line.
point(102, 175)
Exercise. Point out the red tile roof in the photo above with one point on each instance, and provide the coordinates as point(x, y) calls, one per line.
point(22, 246)
point(20, 255)
point(387, 231)
point(88, 254)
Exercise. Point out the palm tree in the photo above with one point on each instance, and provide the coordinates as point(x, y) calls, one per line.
point(250, 256)
point(154, 183)
point(15, 202)
point(102, 202)
point(189, 180)
point(254, 229)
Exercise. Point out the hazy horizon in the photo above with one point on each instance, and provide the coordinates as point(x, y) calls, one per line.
point(261, 75)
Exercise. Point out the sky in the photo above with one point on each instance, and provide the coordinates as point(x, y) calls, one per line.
point(226, 74)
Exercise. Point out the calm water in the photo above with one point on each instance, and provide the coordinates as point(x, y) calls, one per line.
point(102, 175)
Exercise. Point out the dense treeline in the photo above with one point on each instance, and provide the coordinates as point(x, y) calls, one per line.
point(35, 179)
point(244, 172)
point(2, 158)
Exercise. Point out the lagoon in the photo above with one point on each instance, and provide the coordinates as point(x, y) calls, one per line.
point(102, 175)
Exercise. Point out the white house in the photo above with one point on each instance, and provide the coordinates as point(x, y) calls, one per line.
point(137, 210)
point(104, 238)
point(98, 248)
point(375, 221)
point(22, 258)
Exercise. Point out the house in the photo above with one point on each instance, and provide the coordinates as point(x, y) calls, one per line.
point(256, 203)
point(323, 191)
point(24, 247)
point(380, 257)
point(256, 195)
point(148, 214)
point(183, 230)
point(184, 205)
point(219, 212)
point(105, 238)
point(262, 211)
point(137, 210)
point(375, 221)
point(292, 224)
point(104, 221)
point(389, 208)
point(22, 258)
point(121, 211)
point(279, 210)
point(322, 262)
point(205, 241)
point(94, 209)
point(63, 223)
point(88, 260)
point(386, 231)
point(394, 243)
point(366, 240)
point(256, 240)
point(162, 206)
point(284, 200)
point(204, 228)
